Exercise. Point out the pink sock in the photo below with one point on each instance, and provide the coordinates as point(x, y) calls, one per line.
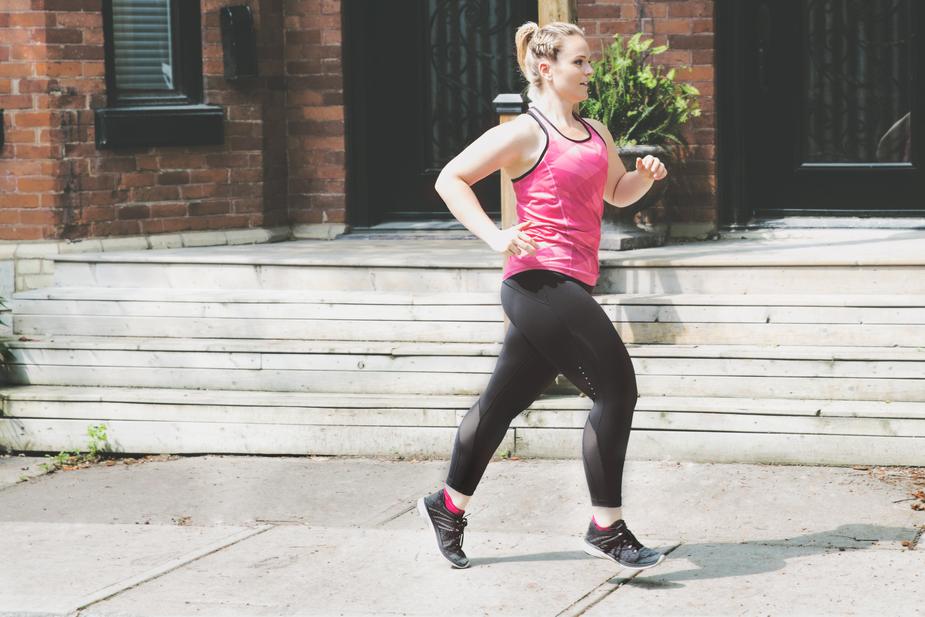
point(450, 505)
point(596, 524)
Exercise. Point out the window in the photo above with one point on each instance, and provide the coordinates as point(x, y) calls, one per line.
point(142, 38)
point(154, 76)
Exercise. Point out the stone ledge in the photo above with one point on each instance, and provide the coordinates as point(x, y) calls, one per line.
point(45, 248)
point(27, 276)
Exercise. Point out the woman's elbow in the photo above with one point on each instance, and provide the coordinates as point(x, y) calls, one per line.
point(444, 180)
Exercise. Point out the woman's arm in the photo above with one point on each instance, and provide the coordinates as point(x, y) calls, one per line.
point(625, 188)
point(499, 147)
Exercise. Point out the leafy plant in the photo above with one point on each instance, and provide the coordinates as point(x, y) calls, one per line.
point(95, 445)
point(640, 103)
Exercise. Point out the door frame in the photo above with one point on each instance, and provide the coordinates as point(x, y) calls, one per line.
point(730, 114)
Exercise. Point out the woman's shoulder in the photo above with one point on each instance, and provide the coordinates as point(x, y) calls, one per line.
point(524, 128)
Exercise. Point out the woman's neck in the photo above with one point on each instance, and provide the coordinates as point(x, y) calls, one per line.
point(558, 111)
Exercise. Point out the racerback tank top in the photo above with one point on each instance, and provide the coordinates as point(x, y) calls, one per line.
point(563, 194)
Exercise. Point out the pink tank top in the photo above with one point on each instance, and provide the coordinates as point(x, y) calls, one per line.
point(563, 194)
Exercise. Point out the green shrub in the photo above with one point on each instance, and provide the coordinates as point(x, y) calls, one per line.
point(640, 103)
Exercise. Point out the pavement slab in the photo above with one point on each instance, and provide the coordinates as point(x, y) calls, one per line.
point(263, 535)
point(55, 569)
point(295, 570)
point(225, 490)
point(19, 468)
point(755, 579)
point(694, 502)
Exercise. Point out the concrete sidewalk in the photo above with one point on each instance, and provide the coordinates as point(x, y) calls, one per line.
point(248, 536)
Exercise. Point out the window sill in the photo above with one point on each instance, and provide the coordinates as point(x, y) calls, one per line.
point(160, 125)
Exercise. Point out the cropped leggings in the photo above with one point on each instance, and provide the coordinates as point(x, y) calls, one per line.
point(555, 327)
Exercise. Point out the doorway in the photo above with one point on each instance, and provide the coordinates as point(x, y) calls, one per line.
point(821, 108)
point(420, 77)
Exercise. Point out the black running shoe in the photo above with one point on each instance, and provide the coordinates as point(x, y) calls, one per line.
point(619, 544)
point(448, 528)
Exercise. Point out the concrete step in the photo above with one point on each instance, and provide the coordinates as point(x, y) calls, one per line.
point(875, 266)
point(252, 354)
point(306, 296)
point(422, 382)
point(172, 420)
point(453, 331)
point(741, 351)
point(620, 278)
point(893, 374)
point(639, 318)
point(276, 304)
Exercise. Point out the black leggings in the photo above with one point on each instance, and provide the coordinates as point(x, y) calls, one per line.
point(555, 327)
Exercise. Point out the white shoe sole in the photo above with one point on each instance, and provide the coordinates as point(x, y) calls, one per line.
point(596, 552)
point(422, 510)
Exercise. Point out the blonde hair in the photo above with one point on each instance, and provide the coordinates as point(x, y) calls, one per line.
point(534, 43)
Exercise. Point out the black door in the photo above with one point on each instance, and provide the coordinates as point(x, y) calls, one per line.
point(825, 107)
point(420, 78)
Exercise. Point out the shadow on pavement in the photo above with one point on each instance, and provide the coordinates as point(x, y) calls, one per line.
point(726, 559)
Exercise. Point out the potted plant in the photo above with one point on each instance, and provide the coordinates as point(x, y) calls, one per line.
point(643, 107)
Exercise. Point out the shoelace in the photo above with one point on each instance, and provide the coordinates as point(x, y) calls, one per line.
point(621, 539)
point(458, 526)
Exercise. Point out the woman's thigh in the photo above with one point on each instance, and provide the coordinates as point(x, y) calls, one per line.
point(567, 325)
point(521, 374)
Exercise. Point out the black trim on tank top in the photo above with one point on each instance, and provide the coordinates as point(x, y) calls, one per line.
point(542, 154)
point(577, 141)
point(591, 126)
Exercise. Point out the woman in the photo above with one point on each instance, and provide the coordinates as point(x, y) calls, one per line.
point(562, 167)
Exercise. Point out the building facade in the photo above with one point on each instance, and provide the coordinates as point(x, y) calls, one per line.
point(351, 108)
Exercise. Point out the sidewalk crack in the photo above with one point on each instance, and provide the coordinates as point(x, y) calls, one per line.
point(155, 573)
point(597, 594)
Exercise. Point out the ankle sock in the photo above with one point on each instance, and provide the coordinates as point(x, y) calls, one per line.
point(598, 526)
point(448, 502)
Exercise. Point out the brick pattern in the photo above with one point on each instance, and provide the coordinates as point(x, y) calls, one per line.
point(54, 183)
point(315, 112)
point(687, 27)
point(29, 160)
point(283, 161)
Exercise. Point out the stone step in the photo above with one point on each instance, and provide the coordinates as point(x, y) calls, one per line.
point(467, 329)
point(392, 382)
point(181, 421)
point(878, 320)
point(614, 279)
point(704, 362)
point(881, 266)
point(682, 308)
point(295, 346)
point(305, 296)
point(841, 373)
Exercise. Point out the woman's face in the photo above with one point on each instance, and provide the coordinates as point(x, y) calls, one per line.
point(568, 75)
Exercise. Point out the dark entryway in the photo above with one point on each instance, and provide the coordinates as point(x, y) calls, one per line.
point(820, 107)
point(420, 77)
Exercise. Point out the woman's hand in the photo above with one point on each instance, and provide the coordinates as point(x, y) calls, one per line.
point(651, 167)
point(512, 241)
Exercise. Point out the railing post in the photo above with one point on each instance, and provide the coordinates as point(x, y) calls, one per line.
point(557, 10)
point(508, 106)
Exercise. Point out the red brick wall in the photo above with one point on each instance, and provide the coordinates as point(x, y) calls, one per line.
point(283, 158)
point(687, 27)
point(29, 162)
point(56, 184)
point(315, 112)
